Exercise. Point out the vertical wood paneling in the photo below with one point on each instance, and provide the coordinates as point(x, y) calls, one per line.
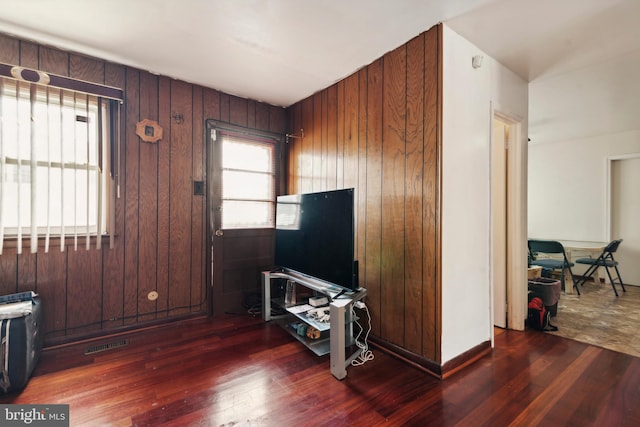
point(160, 225)
point(113, 258)
point(147, 202)
point(238, 111)
point(316, 158)
point(413, 195)
point(8, 271)
point(9, 50)
point(431, 196)
point(324, 145)
point(84, 290)
point(340, 134)
point(361, 211)
point(350, 148)
point(52, 288)
point(29, 55)
point(164, 183)
point(198, 250)
point(277, 119)
point(393, 212)
point(211, 104)
point(27, 272)
point(305, 161)
point(131, 186)
point(387, 147)
point(294, 151)
point(54, 61)
point(262, 116)
point(87, 69)
point(180, 201)
point(373, 237)
point(350, 153)
point(332, 140)
point(251, 113)
point(225, 107)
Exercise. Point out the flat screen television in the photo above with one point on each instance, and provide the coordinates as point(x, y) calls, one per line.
point(315, 236)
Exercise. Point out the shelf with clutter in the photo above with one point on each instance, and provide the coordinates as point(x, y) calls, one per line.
point(326, 329)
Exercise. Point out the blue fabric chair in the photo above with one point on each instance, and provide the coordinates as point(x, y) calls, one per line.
point(559, 263)
point(606, 260)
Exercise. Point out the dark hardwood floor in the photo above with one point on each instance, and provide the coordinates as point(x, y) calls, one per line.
point(241, 371)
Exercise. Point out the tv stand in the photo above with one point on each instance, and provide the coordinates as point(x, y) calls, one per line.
point(340, 322)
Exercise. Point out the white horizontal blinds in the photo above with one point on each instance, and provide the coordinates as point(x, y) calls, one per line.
point(248, 181)
point(50, 181)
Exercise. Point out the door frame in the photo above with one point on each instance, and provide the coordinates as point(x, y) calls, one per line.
point(609, 189)
point(499, 199)
point(212, 179)
point(516, 177)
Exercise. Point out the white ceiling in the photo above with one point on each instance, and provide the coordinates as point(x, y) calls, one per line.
point(538, 38)
point(281, 51)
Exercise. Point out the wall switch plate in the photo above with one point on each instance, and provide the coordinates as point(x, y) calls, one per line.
point(198, 188)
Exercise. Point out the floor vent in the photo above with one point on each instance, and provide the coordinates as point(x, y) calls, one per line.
point(104, 347)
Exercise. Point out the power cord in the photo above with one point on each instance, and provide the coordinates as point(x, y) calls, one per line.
point(365, 353)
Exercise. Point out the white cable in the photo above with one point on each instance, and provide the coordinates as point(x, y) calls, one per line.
point(365, 353)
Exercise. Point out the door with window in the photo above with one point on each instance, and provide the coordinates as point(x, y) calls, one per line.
point(242, 189)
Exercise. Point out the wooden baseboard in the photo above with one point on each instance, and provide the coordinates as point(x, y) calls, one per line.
point(429, 366)
point(421, 363)
point(465, 359)
point(69, 340)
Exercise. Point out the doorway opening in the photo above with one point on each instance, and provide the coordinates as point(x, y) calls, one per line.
point(509, 226)
point(499, 235)
point(623, 201)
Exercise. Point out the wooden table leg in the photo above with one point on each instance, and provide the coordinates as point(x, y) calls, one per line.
point(568, 283)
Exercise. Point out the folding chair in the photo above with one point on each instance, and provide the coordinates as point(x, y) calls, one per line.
point(606, 260)
point(551, 247)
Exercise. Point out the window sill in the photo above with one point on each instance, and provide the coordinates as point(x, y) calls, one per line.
point(54, 242)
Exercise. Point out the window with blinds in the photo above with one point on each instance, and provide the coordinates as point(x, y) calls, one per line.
point(248, 183)
point(54, 151)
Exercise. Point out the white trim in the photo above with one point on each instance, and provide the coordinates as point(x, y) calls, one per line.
point(516, 219)
point(609, 161)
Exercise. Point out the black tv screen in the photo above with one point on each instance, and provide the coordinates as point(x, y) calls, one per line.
point(315, 236)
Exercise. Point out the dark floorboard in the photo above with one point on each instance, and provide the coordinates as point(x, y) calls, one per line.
point(241, 371)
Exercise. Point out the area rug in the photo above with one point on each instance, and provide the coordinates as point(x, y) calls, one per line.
point(600, 318)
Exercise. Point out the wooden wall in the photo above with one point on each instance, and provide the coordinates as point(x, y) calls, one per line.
point(377, 131)
point(161, 227)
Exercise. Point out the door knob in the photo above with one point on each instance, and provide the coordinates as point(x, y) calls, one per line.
point(219, 233)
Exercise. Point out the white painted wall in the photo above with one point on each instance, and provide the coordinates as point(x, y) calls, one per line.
point(468, 96)
point(567, 185)
point(578, 119)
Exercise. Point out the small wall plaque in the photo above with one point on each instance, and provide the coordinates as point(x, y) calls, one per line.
point(149, 130)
